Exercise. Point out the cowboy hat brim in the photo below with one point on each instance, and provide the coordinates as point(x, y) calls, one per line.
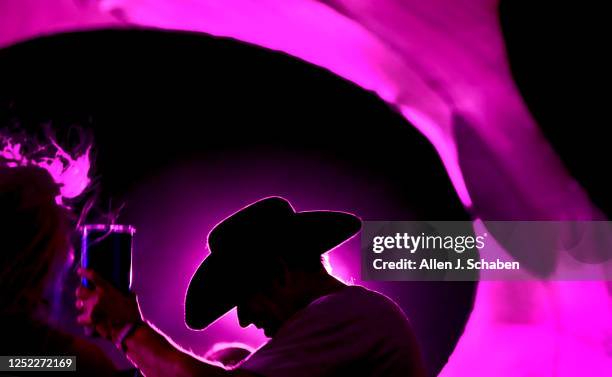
point(220, 281)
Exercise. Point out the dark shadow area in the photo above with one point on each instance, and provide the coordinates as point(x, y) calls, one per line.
point(560, 63)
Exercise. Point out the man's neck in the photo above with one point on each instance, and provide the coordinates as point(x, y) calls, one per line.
point(317, 285)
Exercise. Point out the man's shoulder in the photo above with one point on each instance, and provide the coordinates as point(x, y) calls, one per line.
point(352, 310)
point(352, 326)
point(359, 302)
point(366, 319)
point(360, 294)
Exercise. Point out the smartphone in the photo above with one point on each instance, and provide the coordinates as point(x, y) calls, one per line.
point(107, 249)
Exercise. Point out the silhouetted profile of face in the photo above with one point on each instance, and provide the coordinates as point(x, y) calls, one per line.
point(269, 304)
point(264, 311)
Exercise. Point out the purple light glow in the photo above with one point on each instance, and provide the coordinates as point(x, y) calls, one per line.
point(532, 328)
point(175, 227)
point(432, 60)
point(71, 173)
point(224, 349)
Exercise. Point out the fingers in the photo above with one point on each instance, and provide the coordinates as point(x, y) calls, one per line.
point(104, 330)
point(91, 317)
point(82, 296)
point(85, 319)
point(86, 306)
point(83, 293)
point(88, 303)
point(92, 276)
point(103, 305)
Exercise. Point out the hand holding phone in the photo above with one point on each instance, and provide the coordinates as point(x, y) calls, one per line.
point(107, 249)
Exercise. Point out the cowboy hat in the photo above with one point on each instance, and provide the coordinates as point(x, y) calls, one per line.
point(242, 243)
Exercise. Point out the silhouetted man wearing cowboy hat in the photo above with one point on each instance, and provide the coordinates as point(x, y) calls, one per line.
point(266, 260)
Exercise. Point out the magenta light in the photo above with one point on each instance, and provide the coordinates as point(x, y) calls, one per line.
point(71, 173)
